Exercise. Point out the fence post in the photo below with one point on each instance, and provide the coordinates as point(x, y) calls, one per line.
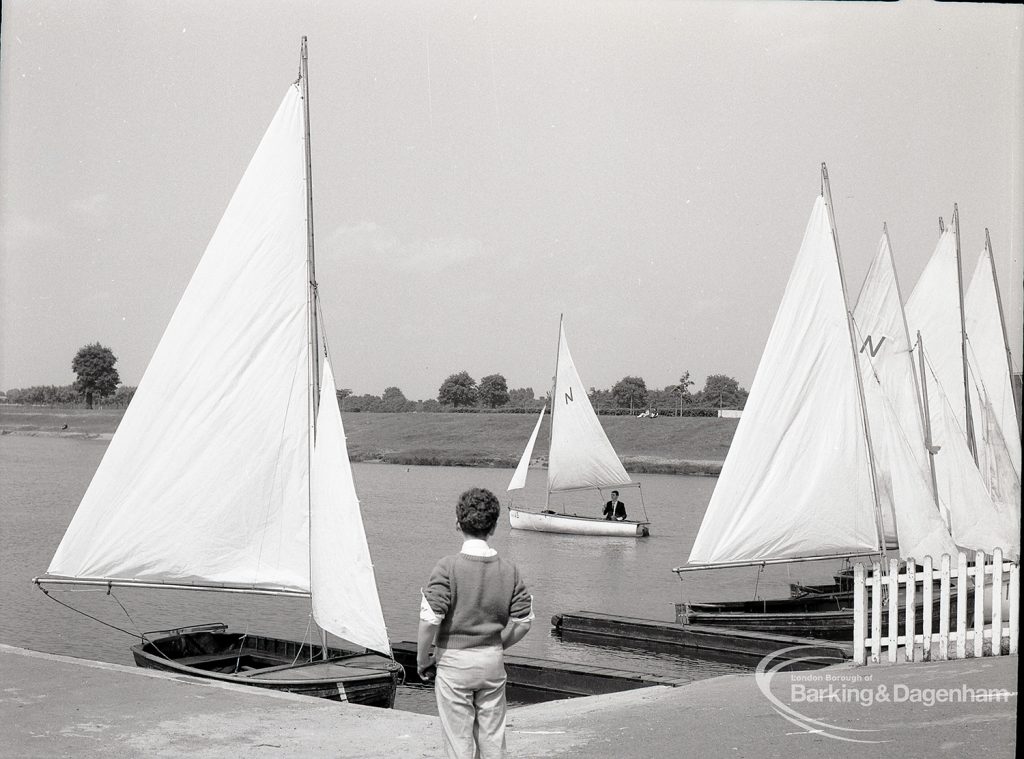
point(876, 611)
point(860, 616)
point(926, 611)
point(944, 607)
point(979, 603)
point(894, 608)
point(961, 605)
point(911, 616)
point(997, 602)
point(1014, 606)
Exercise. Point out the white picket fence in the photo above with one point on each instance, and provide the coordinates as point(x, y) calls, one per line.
point(890, 608)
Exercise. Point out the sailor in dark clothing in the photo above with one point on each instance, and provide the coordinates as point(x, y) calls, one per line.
point(615, 509)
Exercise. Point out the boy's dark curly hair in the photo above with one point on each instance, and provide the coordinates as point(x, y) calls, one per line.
point(477, 512)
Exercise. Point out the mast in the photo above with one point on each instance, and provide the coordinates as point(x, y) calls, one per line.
point(314, 338)
point(551, 427)
point(932, 450)
point(1002, 323)
point(968, 417)
point(880, 532)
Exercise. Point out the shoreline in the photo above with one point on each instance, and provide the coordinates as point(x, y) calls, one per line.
point(632, 464)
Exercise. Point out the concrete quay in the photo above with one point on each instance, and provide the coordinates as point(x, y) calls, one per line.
point(56, 706)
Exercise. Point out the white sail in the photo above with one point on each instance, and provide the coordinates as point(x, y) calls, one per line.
point(797, 479)
point(518, 480)
point(903, 473)
point(344, 589)
point(976, 521)
point(580, 455)
point(933, 309)
point(989, 362)
point(206, 478)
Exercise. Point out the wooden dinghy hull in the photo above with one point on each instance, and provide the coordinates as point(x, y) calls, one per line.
point(214, 653)
point(576, 525)
point(821, 617)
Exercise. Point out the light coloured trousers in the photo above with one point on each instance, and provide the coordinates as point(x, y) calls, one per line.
point(470, 692)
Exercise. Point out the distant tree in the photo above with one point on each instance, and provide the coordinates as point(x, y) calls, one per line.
point(493, 391)
point(682, 391)
point(429, 406)
point(123, 396)
point(521, 396)
point(722, 391)
point(630, 391)
point(458, 390)
point(94, 365)
point(393, 400)
point(601, 399)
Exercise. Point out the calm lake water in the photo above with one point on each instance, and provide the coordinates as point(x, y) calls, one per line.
point(409, 518)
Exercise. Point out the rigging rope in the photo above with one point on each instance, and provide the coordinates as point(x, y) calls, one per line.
point(90, 616)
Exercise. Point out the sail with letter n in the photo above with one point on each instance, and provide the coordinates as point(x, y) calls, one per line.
point(580, 455)
point(910, 510)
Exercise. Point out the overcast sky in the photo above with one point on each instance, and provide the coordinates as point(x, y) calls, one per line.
point(647, 169)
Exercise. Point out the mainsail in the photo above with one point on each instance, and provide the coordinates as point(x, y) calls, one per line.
point(580, 454)
point(344, 590)
point(909, 509)
point(206, 478)
point(797, 480)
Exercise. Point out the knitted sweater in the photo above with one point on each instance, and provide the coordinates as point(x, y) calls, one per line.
point(476, 596)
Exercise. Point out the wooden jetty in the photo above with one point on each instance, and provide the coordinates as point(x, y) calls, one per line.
point(566, 679)
point(717, 640)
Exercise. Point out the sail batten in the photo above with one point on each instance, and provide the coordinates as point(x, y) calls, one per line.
point(797, 480)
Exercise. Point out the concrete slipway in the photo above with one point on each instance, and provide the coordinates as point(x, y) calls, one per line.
point(55, 706)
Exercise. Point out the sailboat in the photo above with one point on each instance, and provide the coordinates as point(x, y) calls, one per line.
point(229, 470)
point(808, 477)
point(580, 458)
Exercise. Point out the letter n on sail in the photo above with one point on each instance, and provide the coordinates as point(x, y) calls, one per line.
point(871, 347)
point(568, 396)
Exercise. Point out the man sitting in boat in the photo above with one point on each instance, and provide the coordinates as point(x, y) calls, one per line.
point(615, 509)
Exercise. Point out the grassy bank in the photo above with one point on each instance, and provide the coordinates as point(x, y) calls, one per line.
point(670, 445)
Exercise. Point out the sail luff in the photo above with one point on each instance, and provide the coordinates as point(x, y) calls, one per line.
point(551, 426)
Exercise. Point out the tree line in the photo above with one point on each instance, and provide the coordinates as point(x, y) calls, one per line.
point(97, 379)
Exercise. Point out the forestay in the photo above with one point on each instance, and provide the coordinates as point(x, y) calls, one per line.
point(797, 479)
point(344, 590)
point(518, 480)
point(902, 469)
point(580, 455)
point(206, 479)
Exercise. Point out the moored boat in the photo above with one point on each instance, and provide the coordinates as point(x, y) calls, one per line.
point(580, 458)
point(229, 470)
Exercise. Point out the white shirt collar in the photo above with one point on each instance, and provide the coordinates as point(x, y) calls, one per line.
point(477, 547)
